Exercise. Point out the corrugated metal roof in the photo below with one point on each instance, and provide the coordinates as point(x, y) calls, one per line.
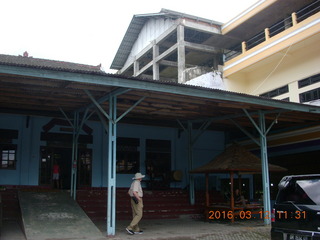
point(135, 27)
point(31, 89)
point(38, 63)
point(47, 64)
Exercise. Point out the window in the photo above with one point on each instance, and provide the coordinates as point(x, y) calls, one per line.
point(8, 156)
point(158, 163)
point(85, 166)
point(128, 155)
point(310, 95)
point(304, 191)
point(308, 81)
point(276, 92)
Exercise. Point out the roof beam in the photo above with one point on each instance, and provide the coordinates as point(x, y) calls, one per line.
point(213, 29)
point(157, 59)
point(201, 47)
point(149, 47)
point(174, 64)
point(103, 99)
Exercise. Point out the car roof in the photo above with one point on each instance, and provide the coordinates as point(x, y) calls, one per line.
point(305, 176)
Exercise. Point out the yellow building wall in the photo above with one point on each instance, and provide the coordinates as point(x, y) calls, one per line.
point(284, 68)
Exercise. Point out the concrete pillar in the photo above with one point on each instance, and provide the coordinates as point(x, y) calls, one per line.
point(294, 92)
point(294, 18)
point(267, 33)
point(136, 68)
point(181, 54)
point(244, 47)
point(155, 66)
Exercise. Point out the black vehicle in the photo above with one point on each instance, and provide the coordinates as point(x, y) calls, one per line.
point(296, 212)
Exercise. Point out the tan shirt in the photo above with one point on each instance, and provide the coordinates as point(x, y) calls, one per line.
point(136, 187)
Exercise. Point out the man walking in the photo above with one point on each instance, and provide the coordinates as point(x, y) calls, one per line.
point(136, 195)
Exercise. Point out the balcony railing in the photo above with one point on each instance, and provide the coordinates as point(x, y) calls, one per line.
point(273, 30)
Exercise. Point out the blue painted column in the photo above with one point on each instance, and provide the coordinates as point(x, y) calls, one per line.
point(112, 143)
point(265, 169)
point(190, 164)
point(74, 159)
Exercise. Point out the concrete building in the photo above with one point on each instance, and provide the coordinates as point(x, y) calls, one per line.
point(102, 128)
point(170, 46)
point(277, 54)
point(271, 49)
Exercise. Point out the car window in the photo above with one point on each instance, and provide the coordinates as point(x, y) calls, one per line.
point(305, 191)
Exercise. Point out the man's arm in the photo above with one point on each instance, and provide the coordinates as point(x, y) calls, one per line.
point(136, 195)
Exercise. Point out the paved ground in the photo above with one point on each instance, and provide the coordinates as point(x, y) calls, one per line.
point(190, 229)
point(177, 229)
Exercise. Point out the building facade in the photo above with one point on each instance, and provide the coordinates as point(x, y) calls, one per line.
point(169, 46)
point(102, 128)
point(278, 54)
point(269, 50)
point(31, 144)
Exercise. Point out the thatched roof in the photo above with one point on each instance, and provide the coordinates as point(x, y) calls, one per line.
point(235, 158)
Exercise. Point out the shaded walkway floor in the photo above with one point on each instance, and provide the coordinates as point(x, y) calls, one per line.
point(175, 229)
point(190, 229)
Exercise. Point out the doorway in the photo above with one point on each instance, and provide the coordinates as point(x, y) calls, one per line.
point(62, 156)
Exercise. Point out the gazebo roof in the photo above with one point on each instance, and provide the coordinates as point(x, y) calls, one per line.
point(237, 159)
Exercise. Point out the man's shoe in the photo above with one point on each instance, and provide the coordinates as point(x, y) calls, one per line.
point(139, 232)
point(130, 231)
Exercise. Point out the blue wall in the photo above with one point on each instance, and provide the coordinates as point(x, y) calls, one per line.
point(208, 145)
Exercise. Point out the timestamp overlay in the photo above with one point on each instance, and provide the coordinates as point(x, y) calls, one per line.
point(291, 215)
point(220, 215)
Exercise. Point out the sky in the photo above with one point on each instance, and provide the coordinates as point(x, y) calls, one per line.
point(89, 31)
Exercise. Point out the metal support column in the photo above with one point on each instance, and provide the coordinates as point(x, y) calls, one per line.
point(190, 164)
point(265, 169)
point(112, 134)
point(74, 159)
point(261, 128)
point(112, 148)
point(191, 141)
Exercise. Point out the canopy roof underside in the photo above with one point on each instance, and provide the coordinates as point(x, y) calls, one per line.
point(47, 91)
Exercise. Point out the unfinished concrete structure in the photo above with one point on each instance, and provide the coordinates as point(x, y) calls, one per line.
point(170, 46)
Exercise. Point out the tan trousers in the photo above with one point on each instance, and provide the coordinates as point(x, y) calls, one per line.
point(137, 211)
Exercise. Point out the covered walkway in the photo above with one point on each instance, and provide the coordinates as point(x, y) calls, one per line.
point(35, 87)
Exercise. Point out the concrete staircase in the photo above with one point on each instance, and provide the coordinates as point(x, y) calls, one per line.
point(10, 205)
point(158, 204)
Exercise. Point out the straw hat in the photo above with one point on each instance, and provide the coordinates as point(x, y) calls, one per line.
point(138, 176)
